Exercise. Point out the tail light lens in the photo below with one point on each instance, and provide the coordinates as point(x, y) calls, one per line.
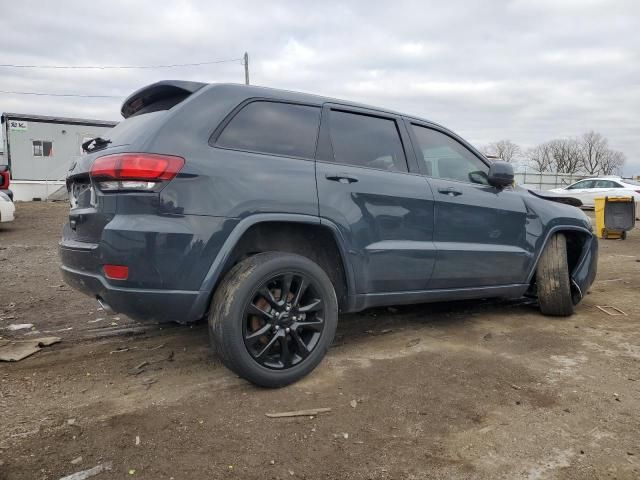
point(4, 178)
point(135, 171)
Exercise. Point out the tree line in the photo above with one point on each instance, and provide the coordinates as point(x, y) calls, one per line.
point(588, 154)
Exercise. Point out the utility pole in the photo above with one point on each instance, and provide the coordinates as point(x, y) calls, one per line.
point(246, 68)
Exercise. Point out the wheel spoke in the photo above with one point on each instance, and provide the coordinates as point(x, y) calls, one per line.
point(267, 347)
point(304, 284)
point(315, 325)
point(286, 287)
point(268, 296)
point(285, 353)
point(314, 306)
point(254, 310)
point(302, 349)
point(262, 331)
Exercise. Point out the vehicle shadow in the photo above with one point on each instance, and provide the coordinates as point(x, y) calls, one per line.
point(383, 320)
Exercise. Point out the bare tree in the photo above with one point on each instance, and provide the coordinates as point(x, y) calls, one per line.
point(566, 155)
point(503, 149)
point(540, 157)
point(595, 149)
point(612, 163)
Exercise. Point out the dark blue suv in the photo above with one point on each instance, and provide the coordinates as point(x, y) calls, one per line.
point(270, 211)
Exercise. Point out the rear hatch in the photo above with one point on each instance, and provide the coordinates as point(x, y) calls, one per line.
point(94, 198)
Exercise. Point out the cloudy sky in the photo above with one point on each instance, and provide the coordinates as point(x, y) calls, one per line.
point(528, 71)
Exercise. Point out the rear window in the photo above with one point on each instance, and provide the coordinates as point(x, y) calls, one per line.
point(132, 128)
point(273, 128)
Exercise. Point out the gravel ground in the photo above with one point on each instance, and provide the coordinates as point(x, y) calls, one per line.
point(482, 389)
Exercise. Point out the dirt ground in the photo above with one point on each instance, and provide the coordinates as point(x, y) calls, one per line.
point(482, 390)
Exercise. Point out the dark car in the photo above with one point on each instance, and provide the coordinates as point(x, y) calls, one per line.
point(269, 212)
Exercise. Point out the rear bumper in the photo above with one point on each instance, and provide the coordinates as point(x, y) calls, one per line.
point(140, 304)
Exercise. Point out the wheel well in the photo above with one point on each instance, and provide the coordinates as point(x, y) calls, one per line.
point(575, 245)
point(312, 241)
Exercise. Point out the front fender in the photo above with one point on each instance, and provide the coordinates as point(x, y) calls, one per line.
point(584, 272)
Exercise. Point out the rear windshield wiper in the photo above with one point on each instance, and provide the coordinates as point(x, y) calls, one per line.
point(95, 144)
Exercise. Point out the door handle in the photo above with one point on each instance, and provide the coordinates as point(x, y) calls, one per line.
point(341, 177)
point(454, 192)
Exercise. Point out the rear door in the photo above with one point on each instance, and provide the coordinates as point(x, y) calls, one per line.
point(368, 185)
point(479, 230)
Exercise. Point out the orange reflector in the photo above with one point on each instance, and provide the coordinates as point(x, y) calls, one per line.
point(116, 272)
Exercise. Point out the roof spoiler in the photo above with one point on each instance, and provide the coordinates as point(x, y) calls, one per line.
point(157, 91)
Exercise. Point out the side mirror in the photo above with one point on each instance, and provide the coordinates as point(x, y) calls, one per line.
point(501, 174)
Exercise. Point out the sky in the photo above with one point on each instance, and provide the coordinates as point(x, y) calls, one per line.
point(528, 71)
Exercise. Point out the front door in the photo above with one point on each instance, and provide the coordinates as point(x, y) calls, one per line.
point(479, 230)
point(384, 211)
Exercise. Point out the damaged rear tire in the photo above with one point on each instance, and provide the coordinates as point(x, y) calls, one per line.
point(553, 280)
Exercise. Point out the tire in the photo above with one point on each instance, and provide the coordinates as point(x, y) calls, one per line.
point(253, 332)
point(552, 278)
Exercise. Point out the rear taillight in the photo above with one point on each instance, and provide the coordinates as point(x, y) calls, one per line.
point(134, 171)
point(4, 179)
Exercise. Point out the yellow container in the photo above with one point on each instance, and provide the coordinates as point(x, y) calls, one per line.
point(614, 216)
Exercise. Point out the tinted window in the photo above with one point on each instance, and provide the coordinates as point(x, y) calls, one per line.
point(606, 184)
point(582, 184)
point(366, 141)
point(276, 128)
point(444, 157)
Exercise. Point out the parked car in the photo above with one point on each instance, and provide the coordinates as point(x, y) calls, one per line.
point(269, 211)
point(7, 208)
point(589, 189)
point(5, 180)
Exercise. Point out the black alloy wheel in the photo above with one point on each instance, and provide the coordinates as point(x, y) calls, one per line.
point(273, 318)
point(284, 320)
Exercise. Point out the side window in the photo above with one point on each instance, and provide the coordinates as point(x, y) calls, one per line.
point(274, 128)
point(606, 184)
point(582, 184)
point(444, 157)
point(366, 141)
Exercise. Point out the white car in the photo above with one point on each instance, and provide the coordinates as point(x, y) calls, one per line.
point(589, 189)
point(7, 208)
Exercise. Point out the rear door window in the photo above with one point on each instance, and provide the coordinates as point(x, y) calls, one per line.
point(606, 184)
point(274, 128)
point(444, 157)
point(366, 141)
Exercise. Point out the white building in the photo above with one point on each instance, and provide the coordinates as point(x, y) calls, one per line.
point(40, 149)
